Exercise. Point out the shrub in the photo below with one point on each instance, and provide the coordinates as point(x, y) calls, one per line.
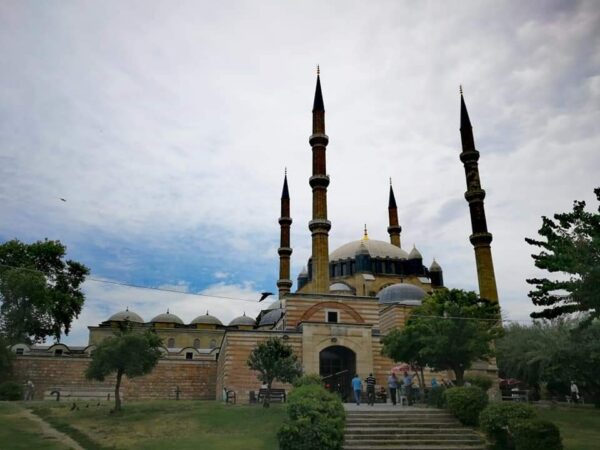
point(533, 434)
point(11, 391)
point(480, 381)
point(436, 397)
point(310, 379)
point(316, 420)
point(466, 403)
point(495, 419)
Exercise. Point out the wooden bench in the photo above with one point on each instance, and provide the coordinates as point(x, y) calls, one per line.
point(277, 395)
point(66, 393)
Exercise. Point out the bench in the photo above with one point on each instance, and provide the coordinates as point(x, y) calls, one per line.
point(277, 395)
point(79, 393)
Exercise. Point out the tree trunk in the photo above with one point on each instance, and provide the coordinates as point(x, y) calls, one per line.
point(459, 372)
point(267, 398)
point(117, 388)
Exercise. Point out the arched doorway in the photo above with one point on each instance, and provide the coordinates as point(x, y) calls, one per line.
point(337, 366)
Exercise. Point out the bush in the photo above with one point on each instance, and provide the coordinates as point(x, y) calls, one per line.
point(316, 420)
point(466, 403)
point(436, 397)
point(533, 434)
point(495, 419)
point(306, 380)
point(11, 391)
point(480, 381)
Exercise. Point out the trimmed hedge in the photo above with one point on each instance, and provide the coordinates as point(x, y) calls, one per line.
point(306, 380)
point(436, 397)
point(316, 420)
point(534, 434)
point(11, 391)
point(466, 403)
point(497, 417)
point(480, 381)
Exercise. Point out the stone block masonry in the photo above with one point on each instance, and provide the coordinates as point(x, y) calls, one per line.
point(196, 379)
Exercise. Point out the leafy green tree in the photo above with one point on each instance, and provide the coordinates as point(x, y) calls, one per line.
point(274, 360)
point(570, 245)
point(449, 331)
point(40, 291)
point(129, 352)
point(6, 360)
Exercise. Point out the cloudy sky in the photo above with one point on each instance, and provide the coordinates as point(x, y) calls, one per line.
point(167, 127)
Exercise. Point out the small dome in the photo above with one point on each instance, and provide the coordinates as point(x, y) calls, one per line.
point(304, 273)
point(206, 319)
point(435, 267)
point(340, 287)
point(377, 249)
point(415, 254)
point(275, 305)
point(403, 293)
point(271, 318)
point(242, 320)
point(167, 318)
point(122, 316)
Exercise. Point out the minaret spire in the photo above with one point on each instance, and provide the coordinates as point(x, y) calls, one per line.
point(284, 284)
point(394, 229)
point(319, 225)
point(481, 238)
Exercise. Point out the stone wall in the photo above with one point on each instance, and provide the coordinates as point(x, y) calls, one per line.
point(196, 379)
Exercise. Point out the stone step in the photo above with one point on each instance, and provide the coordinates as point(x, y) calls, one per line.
point(405, 431)
point(415, 447)
point(422, 438)
point(403, 425)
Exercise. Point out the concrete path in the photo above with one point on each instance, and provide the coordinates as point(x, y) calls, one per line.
point(49, 431)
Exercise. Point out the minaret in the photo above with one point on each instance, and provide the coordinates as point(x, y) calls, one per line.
point(319, 225)
point(481, 238)
point(394, 229)
point(284, 284)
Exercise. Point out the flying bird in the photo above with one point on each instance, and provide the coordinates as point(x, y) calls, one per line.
point(62, 199)
point(264, 295)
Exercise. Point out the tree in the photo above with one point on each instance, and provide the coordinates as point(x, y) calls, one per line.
point(129, 352)
point(449, 331)
point(6, 360)
point(274, 360)
point(40, 292)
point(570, 245)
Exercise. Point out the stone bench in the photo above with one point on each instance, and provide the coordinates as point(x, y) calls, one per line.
point(66, 393)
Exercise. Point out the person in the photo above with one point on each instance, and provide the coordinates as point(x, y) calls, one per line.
point(434, 383)
point(370, 382)
point(574, 392)
point(29, 388)
point(393, 387)
point(357, 388)
point(407, 385)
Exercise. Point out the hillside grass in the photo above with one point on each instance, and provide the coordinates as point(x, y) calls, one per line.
point(579, 427)
point(18, 432)
point(171, 424)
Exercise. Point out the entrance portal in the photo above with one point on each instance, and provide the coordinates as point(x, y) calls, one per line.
point(337, 366)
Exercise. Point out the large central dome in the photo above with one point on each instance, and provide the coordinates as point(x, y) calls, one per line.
point(377, 249)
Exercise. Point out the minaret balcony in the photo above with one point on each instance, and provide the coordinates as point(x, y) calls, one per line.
point(318, 139)
point(285, 221)
point(284, 251)
point(475, 195)
point(469, 156)
point(321, 181)
point(319, 225)
point(481, 239)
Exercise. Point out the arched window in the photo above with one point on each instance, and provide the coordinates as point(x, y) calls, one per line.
point(196, 343)
point(213, 343)
point(171, 343)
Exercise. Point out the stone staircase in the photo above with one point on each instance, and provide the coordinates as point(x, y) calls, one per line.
point(407, 428)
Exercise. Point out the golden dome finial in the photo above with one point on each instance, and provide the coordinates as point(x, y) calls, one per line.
point(366, 234)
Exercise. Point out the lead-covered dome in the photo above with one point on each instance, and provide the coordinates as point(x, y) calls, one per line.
point(206, 319)
point(122, 316)
point(377, 249)
point(242, 320)
point(167, 318)
point(271, 318)
point(403, 293)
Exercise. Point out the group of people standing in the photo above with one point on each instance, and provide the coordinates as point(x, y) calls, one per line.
point(395, 386)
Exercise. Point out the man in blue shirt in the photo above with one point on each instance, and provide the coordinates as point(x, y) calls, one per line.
point(407, 386)
point(357, 388)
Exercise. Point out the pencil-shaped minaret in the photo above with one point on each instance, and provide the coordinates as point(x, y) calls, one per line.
point(319, 226)
point(481, 238)
point(284, 284)
point(394, 229)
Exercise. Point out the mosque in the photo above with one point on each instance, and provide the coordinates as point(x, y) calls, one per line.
point(345, 301)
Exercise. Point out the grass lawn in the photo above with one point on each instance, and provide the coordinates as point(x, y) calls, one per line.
point(579, 427)
point(166, 424)
point(18, 432)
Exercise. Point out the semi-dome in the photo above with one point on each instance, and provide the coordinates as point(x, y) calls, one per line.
point(243, 320)
point(404, 293)
point(377, 249)
point(122, 316)
point(340, 287)
point(167, 318)
point(206, 319)
point(271, 318)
